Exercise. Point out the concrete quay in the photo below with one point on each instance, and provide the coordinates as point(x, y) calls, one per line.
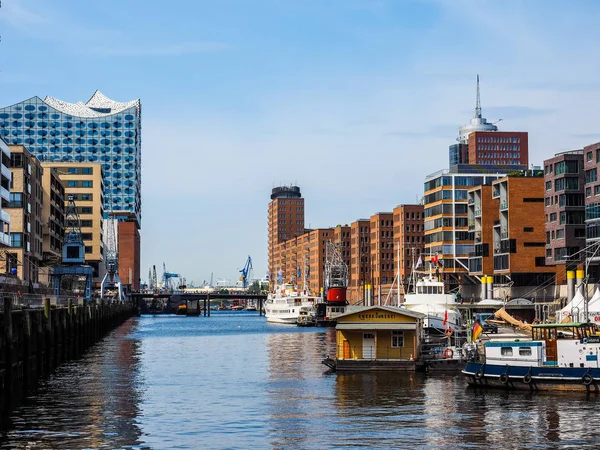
point(33, 342)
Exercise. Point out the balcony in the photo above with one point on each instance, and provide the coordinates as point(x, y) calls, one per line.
point(496, 223)
point(471, 226)
point(504, 234)
point(503, 205)
point(477, 212)
point(471, 201)
point(495, 193)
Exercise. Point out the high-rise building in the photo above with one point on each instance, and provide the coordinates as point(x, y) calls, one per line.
point(286, 221)
point(25, 209)
point(483, 217)
point(564, 210)
point(99, 131)
point(53, 221)
point(84, 182)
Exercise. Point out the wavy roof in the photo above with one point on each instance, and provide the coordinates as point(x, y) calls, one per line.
point(89, 109)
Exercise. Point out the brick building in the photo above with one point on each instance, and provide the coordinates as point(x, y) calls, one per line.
point(564, 203)
point(409, 234)
point(360, 260)
point(483, 216)
point(591, 165)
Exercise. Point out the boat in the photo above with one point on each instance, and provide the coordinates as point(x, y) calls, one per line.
point(283, 305)
point(306, 317)
point(559, 356)
point(429, 297)
point(182, 310)
point(237, 307)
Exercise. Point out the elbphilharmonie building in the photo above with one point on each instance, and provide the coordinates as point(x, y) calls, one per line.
point(100, 130)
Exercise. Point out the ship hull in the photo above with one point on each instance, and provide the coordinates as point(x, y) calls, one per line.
point(547, 378)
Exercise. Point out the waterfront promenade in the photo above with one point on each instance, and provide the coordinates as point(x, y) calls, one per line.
point(238, 382)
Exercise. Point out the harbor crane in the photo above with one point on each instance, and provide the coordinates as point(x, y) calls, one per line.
point(246, 271)
point(111, 279)
point(167, 276)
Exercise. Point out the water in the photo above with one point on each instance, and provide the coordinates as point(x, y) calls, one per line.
point(234, 381)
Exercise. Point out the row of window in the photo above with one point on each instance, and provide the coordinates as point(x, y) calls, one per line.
point(502, 148)
point(498, 140)
point(80, 170)
point(80, 183)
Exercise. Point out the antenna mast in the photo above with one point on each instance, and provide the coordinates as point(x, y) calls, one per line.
point(478, 102)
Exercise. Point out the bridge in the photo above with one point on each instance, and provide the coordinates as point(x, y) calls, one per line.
point(192, 301)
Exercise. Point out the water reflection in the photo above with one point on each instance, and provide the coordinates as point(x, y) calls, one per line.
point(234, 381)
point(92, 402)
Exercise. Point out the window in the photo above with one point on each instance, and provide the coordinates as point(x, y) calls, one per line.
point(16, 239)
point(588, 191)
point(72, 170)
point(86, 236)
point(87, 170)
point(72, 183)
point(88, 249)
point(397, 339)
point(589, 156)
point(16, 200)
point(86, 223)
point(524, 351)
point(86, 210)
point(528, 229)
point(87, 197)
point(506, 351)
point(548, 185)
point(86, 184)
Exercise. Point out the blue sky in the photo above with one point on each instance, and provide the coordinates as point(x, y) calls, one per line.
point(356, 101)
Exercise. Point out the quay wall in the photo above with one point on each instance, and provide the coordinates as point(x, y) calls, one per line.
point(33, 342)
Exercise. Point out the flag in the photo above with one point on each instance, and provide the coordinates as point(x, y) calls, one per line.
point(419, 262)
point(434, 259)
point(280, 276)
point(299, 272)
point(477, 330)
point(445, 318)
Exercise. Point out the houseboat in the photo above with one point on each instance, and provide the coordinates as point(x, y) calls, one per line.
point(560, 356)
point(377, 338)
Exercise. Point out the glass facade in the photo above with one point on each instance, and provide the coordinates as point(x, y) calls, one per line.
point(101, 130)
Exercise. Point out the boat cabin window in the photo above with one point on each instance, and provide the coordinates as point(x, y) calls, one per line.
point(429, 289)
point(506, 351)
point(524, 351)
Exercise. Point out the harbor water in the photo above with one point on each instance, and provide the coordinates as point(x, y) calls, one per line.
point(234, 381)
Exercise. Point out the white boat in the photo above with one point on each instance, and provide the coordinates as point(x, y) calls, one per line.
point(429, 297)
point(283, 305)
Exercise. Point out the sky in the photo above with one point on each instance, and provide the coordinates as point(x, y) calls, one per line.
point(355, 101)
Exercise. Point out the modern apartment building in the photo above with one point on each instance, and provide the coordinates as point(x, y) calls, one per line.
point(84, 182)
point(5, 178)
point(483, 217)
point(53, 221)
point(591, 165)
point(499, 148)
point(25, 209)
point(99, 131)
point(520, 234)
point(360, 260)
point(286, 221)
point(447, 220)
point(564, 201)
point(409, 238)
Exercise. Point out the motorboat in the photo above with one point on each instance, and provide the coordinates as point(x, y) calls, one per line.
point(283, 305)
point(559, 356)
point(306, 317)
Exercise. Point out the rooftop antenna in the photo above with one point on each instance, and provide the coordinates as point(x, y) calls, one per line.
point(478, 103)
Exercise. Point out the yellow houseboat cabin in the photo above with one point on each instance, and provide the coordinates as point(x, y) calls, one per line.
point(377, 338)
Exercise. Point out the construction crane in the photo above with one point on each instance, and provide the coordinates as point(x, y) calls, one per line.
point(154, 279)
point(167, 278)
point(111, 279)
point(246, 271)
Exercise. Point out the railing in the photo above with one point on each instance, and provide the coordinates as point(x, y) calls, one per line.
point(471, 201)
point(503, 205)
point(378, 353)
point(504, 234)
point(477, 212)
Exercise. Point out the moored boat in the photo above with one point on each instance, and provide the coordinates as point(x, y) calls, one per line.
point(562, 356)
point(284, 304)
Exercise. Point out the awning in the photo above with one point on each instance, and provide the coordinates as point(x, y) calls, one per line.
point(376, 326)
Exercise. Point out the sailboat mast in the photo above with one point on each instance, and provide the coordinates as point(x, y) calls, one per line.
point(398, 272)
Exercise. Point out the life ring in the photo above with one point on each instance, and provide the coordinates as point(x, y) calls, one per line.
point(587, 379)
point(448, 353)
point(527, 378)
point(504, 378)
point(448, 331)
point(479, 374)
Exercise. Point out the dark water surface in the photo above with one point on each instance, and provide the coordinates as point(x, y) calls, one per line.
point(234, 381)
